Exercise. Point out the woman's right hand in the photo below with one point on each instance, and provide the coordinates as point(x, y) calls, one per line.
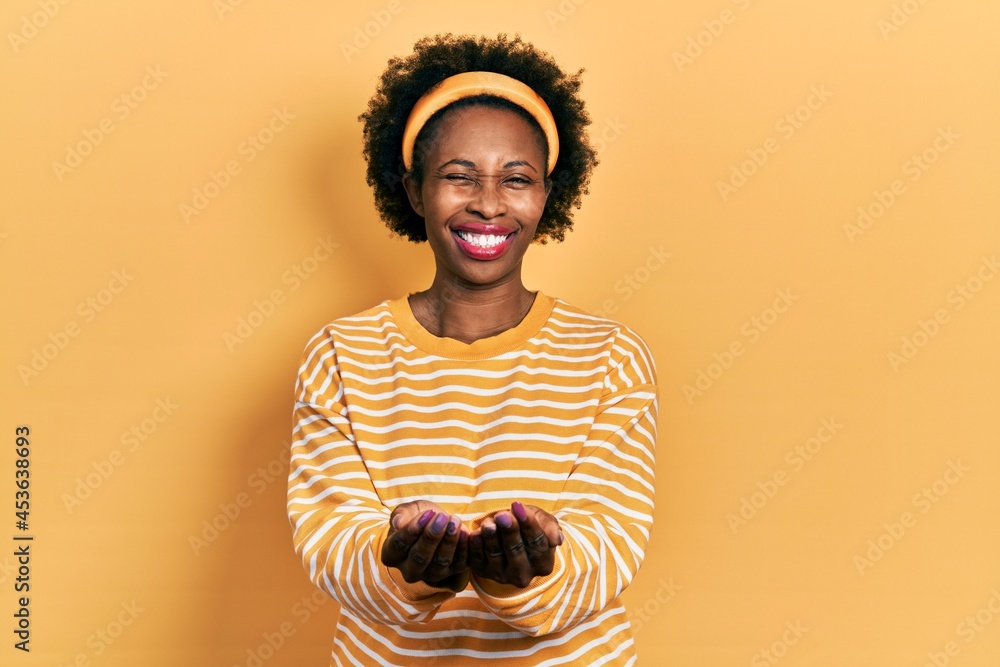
point(426, 544)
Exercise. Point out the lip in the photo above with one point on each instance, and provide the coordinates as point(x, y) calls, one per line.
point(474, 251)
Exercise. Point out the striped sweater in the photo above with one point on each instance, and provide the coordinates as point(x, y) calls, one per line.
point(558, 411)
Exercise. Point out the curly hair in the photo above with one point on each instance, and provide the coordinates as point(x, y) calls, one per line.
point(433, 60)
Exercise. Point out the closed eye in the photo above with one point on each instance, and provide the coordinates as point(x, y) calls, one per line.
point(519, 181)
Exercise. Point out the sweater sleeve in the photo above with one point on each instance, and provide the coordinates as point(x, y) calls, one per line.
point(338, 520)
point(605, 508)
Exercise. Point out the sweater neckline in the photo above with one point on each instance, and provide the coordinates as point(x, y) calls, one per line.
point(484, 348)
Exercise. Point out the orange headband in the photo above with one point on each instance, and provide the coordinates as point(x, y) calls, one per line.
point(468, 84)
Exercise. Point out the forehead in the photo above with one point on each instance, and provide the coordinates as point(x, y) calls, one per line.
point(483, 129)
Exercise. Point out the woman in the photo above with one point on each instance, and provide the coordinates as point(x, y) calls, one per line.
point(472, 465)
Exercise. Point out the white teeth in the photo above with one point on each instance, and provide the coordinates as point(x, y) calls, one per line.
point(481, 240)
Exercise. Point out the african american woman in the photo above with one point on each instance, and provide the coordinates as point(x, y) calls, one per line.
point(471, 472)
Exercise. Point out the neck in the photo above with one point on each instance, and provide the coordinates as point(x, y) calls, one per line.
point(450, 309)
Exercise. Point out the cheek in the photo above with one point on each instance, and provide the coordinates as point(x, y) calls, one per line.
point(442, 202)
point(528, 205)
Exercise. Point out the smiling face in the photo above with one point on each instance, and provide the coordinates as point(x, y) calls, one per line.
point(482, 193)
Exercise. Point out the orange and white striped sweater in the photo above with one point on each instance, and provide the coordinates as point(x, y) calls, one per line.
point(558, 412)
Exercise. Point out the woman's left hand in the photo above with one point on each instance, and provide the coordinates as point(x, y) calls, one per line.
point(515, 547)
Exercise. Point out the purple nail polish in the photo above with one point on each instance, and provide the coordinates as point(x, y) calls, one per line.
point(424, 518)
point(439, 523)
point(489, 530)
point(503, 520)
point(453, 525)
point(519, 511)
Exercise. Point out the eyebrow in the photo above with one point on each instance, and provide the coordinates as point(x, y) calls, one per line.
point(472, 165)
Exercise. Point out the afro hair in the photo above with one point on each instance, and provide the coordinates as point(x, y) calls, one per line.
point(433, 60)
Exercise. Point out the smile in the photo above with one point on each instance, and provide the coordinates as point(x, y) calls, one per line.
point(483, 246)
point(482, 240)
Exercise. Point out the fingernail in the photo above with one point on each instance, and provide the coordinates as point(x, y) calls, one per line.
point(453, 525)
point(394, 522)
point(489, 529)
point(503, 520)
point(560, 538)
point(519, 511)
point(424, 518)
point(439, 523)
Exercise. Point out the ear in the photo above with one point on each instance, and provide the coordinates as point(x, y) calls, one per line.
point(413, 193)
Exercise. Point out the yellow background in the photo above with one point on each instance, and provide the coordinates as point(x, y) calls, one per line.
point(681, 94)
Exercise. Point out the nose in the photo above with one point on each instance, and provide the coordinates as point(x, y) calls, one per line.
point(487, 200)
